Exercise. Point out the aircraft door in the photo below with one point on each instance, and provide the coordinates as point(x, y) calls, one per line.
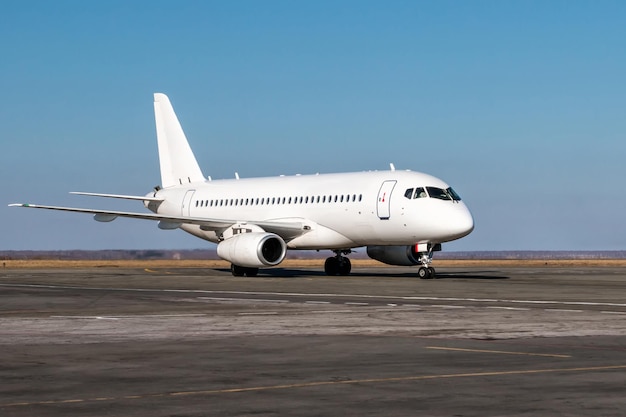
point(185, 209)
point(384, 199)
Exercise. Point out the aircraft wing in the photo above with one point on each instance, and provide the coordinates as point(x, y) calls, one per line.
point(121, 196)
point(288, 230)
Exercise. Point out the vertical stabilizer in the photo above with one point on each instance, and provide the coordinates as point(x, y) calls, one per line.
point(178, 164)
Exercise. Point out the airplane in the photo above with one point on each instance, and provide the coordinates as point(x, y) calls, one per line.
point(401, 217)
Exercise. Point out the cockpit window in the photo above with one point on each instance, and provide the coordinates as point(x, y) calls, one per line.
point(420, 193)
point(453, 194)
point(435, 192)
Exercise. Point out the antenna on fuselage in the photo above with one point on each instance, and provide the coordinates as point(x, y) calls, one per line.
point(392, 166)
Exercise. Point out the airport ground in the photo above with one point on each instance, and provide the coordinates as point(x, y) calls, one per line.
point(159, 339)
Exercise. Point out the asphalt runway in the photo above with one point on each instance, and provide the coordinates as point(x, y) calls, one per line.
point(192, 342)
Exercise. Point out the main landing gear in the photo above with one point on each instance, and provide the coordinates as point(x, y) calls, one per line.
point(426, 271)
point(240, 271)
point(338, 264)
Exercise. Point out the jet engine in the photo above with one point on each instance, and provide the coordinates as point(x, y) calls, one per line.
point(253, 250)
point(401, 255)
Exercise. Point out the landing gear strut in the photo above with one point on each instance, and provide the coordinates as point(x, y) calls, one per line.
point(426, 271)
point(338, 264)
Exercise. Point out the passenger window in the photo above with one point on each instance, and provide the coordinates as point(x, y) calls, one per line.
point(409, 193)
point(420, 193)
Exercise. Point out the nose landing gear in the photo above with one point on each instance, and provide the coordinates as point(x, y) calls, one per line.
point(426, 271)
point(338, 264)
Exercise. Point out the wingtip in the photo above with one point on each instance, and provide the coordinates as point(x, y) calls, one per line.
point(19, 205)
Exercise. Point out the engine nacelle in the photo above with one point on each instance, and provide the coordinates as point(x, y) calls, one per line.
point(253, 250)
point(401, 255)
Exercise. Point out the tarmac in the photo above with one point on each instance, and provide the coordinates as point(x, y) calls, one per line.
point(493, 341)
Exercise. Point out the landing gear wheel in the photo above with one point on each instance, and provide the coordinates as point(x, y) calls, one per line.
point(240, 271)
point(237, 271)
point(345, 266)
point(432, 272)
point(331, 266)
point(338, 264)
point(424, 273)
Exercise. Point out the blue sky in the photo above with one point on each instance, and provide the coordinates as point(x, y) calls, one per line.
point(520, 106)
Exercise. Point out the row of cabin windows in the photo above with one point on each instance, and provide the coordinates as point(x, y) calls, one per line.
point(280, 200)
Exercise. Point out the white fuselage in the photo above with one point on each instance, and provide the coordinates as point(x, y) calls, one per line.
point(339, 211)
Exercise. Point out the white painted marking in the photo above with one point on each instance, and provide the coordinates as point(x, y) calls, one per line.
point(329, 295)
point(614, 312)
point(136, 316)
point(563, 310)
point(508, 308)
point(329, 311)
point(356, 304)
point(445, 306)
point(317, 302)
point(259, 300)
point(262, 313)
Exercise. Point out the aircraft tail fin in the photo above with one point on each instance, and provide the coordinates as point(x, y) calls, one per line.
point(178, 163)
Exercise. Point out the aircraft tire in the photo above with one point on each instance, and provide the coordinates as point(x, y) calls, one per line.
point(331, 266)
point(345, 266)
point(431, 271)
point(237, 271)
point(424, 273)
point(241, 271)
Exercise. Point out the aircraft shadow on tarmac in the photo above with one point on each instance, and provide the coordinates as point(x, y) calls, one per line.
point(295, 273)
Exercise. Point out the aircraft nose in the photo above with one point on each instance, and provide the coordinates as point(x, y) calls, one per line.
point(462, 223)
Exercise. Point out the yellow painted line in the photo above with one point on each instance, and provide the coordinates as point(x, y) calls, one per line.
point(501, 352)
point(325, 383)
point(149, 270)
